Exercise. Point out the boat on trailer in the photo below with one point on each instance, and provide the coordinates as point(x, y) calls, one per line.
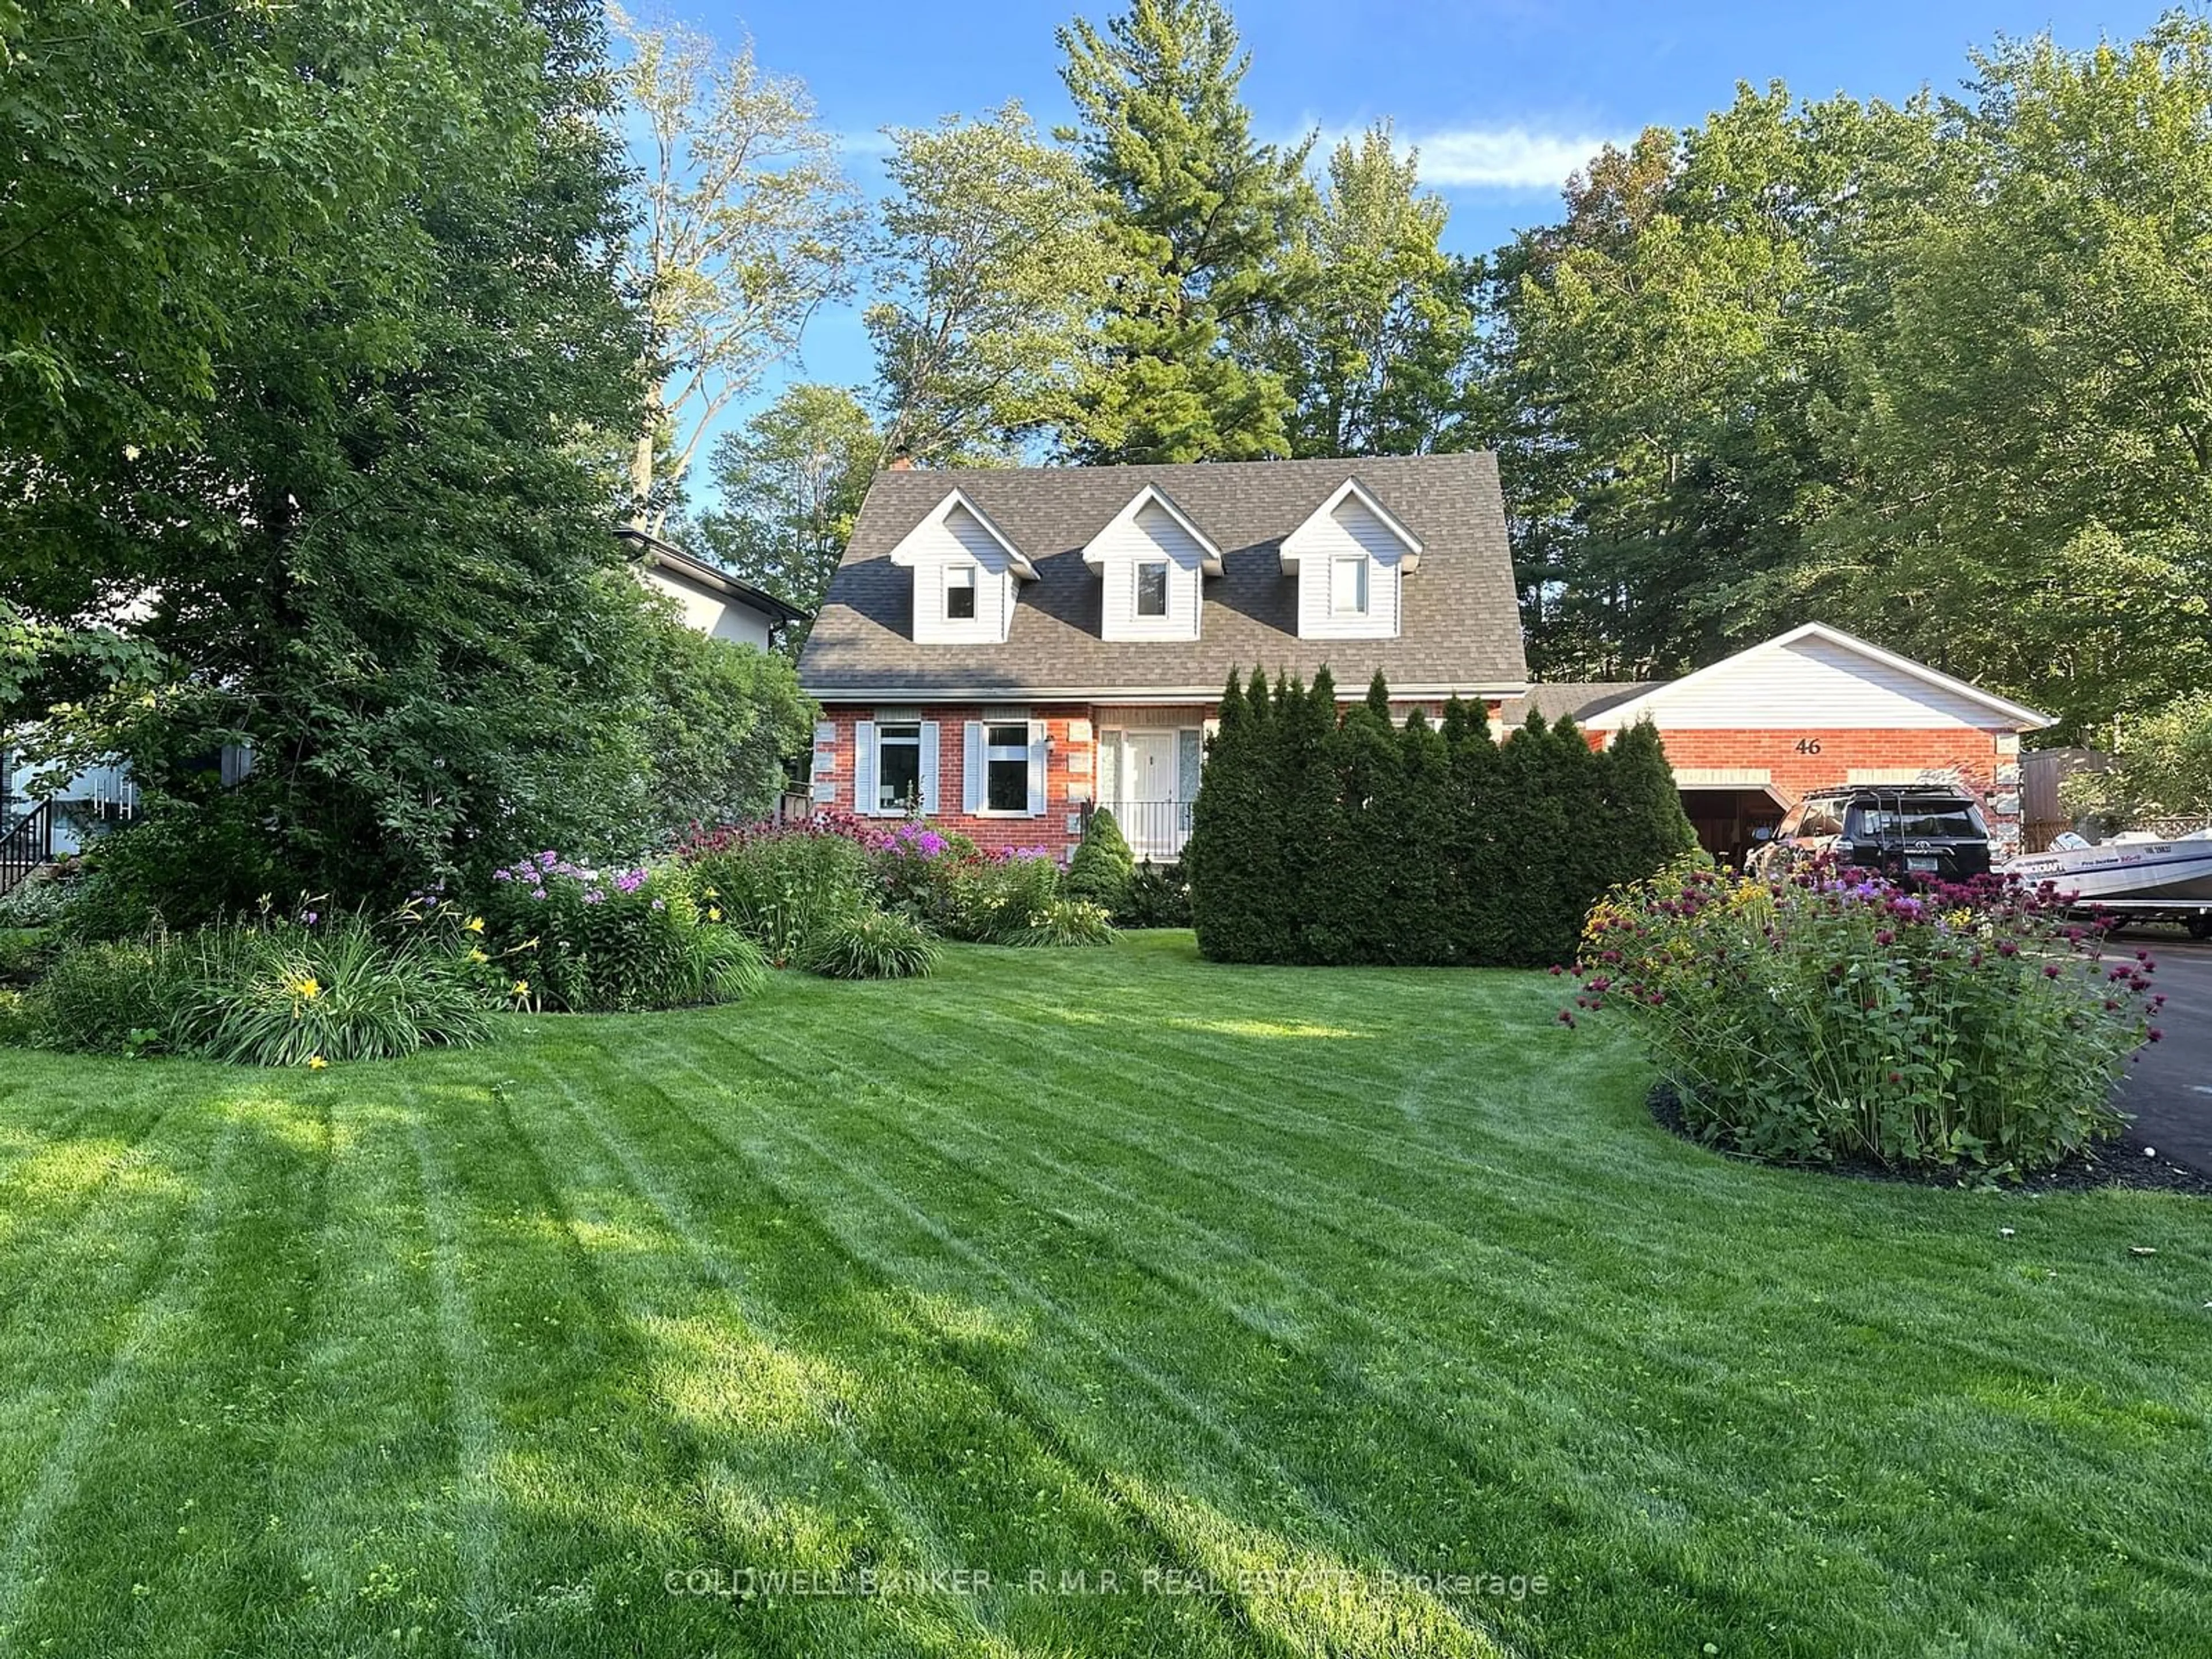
point(2136, 875)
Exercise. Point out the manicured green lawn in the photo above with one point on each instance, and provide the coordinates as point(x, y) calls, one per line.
point(1083, 1261)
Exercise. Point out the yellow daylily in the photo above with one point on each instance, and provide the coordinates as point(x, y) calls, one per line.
point(714, 913)
point(478, 955)
point(307, 989)
point(473, 925)
point(521, 988)
point(317, 1063)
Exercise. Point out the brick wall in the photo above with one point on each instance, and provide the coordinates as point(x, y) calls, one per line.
point(1987, 761)
point(1071, 763)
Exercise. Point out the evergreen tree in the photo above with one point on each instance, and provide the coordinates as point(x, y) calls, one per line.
point(1347, 918)
point(1308, 783)
point(1481, 880)
point(1649, 827)
point(1102, 868)
point(1423, 899)
point(1205, 214)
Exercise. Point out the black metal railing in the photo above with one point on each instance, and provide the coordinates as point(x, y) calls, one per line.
point(26, 843)
point(1155, 830)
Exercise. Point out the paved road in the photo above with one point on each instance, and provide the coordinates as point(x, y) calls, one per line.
point(2171, 1091)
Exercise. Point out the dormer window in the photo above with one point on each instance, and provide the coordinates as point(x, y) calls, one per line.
point(1347, 592)
point(1152, 588)
point(1351, 557)
point(966, 574)
point(1152, 562)
point(960, 592)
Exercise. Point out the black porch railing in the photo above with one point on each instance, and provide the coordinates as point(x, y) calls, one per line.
point(1155, 830)
point(26, 843)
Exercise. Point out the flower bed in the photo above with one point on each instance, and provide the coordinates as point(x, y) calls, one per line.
point(588, 940)
point(1832, 1015)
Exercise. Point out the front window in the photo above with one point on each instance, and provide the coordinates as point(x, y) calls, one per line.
point(1006, 768)
point(898, 767)
point(960, 592)
point(1347, 589)
point(1153, 589)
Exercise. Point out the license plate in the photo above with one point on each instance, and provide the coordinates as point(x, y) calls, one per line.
point(1922, 861)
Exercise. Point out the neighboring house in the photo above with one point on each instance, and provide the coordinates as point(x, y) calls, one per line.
point(714, 602)
point(1810, 707)
point(79, 808)
point(1000, 650)
point(1003, 649)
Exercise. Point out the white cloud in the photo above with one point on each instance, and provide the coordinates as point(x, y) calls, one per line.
point(1502, 158)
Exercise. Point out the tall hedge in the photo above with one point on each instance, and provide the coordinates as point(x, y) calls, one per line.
point(1321, 838)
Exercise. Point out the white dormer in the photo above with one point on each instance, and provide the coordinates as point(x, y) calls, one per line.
point(1348, 558)
point(964, 572)
point(1152, 560)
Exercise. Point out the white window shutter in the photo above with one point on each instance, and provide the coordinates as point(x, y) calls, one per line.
point(1036, 769)
point(864, 767)
point(929, 768)
point(971, 768)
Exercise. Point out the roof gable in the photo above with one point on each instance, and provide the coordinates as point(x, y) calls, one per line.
point(1351, 493)
point(1820, 675)
point(1102, 546)
point(956, 501)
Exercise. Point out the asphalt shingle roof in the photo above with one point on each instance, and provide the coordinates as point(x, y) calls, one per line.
point(1578, 698)
point(1460, 628)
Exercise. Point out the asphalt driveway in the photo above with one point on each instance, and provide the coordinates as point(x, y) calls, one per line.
point(2170, 1090)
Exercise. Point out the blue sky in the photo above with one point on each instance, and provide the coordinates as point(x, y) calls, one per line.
point(1503, 97)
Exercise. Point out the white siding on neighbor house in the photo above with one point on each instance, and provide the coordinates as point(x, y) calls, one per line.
point(1351, 529)
point(959, 539)
point(1151, 536)
point(707, 611)
point(1811, 682)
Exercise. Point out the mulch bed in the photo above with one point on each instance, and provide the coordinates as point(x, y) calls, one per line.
point(2120, 1163)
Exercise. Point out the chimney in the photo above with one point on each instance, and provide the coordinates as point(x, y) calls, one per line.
point(901, 462)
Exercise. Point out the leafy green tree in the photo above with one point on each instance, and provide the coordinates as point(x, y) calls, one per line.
point(1667, 352)
point(376, 551)
point(1204, 215)
point(1375, 344)
point(2029, 448)
point(2162, 768)
point(724, 720)
point(995, 262)
point(790, 483)
point(745, 225)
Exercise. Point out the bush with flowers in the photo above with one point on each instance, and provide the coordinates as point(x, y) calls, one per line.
point(783, 886)
point(578, 939)
point(307, 988)
point(1829, 1015)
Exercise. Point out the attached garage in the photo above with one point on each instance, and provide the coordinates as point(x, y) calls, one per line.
point(1811, 707)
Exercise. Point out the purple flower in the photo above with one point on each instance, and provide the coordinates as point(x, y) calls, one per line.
point(594, 895)
point(503, 875)
point(537, 892)
point(661, 904)
point(547, 860)
point(313, 917)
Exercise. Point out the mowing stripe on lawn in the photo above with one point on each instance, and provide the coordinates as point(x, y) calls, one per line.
point(194, 1392)
point(893, 1391)
point(1216, 1545)
point(364, 1517)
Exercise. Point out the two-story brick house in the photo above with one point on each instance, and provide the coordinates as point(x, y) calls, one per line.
point(1003, 648)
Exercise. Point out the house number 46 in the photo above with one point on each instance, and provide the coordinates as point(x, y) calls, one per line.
point(1808, 745)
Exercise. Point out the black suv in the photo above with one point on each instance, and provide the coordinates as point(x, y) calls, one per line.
point(1909, 832)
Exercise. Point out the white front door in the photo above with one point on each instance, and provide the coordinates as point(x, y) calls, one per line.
point(1149, 812)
